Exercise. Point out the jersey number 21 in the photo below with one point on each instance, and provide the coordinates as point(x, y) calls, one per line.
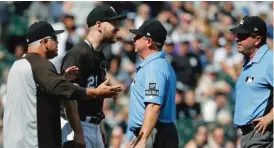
point(92, 81)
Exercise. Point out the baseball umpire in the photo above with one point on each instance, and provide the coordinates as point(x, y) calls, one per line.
point(254, 89)
point(152, 107)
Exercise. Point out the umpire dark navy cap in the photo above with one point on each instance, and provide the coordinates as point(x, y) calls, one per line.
point(41, 29)
point(103, 13)
point(151, 29)
point(251, 24)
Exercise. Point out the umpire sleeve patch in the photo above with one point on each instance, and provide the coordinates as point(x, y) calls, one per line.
point(152, 91)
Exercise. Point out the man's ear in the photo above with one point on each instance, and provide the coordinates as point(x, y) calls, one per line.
point(99, 26)
point(150, 42)
point(258, 40)
point(45, 41)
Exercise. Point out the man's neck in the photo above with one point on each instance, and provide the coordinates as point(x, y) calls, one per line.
point(252, 53)
point(147, 53)
point(95, 41)
point(37, 50)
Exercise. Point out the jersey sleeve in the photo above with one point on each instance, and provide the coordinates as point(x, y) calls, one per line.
point(51, 82)
point(155, 85)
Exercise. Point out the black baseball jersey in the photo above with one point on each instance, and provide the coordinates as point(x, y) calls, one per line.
point(92, 72)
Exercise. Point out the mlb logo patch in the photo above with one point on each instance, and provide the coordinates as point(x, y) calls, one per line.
point(242, 22)
point(249, 79)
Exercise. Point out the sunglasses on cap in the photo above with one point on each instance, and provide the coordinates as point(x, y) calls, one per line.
point(242, 36)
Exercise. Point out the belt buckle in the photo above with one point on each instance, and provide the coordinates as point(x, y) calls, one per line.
point(94, 120)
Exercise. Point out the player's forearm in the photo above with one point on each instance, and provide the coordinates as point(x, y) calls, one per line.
point(152, 113)
point(71, 107)
point(85, 93)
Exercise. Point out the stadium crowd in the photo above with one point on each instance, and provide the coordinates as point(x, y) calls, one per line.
point(199, 46)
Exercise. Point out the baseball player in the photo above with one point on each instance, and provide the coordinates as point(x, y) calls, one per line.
point(86, 116)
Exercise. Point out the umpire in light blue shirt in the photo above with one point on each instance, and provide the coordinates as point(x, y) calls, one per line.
point(254, 88)
point(152, 107)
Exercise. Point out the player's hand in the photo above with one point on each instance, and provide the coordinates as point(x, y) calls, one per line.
point(71, 72)
point(140, 144)
point(79, 141)
point(263, 123)
point(104, 90)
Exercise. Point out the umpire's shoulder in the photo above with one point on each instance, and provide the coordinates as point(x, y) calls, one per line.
point(159, 64)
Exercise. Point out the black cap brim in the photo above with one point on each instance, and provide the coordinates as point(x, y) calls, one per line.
point(239, 30)
point(56, 32)
point(136, 32)
point(118, 17)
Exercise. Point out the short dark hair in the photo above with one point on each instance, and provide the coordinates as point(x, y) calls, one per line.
point(263, 41)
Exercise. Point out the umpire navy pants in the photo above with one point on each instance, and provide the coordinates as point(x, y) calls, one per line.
point(164, 135)
point(251, 139)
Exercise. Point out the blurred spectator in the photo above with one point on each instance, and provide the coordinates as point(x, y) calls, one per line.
point(4, 19)
point(17, 45)
point(142, 15)
point(193, 61)
point(189, 108)
point(182, 68)
point(226, 54)
point(209, 84)
point(169, 49)
point(67, 39)
point(168, 19)
point(227, 10)
point(40, 11)
point(128, 24)
point(196, 47)
point(176, 7)
point(217, 138)
point(79, 9)
point(119, 72)
point(117, 138)
point(223, 114)
point(56, 10)
point(200, 139)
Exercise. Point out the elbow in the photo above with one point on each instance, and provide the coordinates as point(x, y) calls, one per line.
point(155, 108)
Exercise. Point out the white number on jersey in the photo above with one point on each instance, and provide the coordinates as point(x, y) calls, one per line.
point(92, 81)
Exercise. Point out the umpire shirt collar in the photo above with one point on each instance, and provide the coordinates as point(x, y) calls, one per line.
point(160, 54)
point(260, 53)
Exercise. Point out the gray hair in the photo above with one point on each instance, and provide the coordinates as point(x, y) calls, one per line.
point(35, 43)
point(158, 46)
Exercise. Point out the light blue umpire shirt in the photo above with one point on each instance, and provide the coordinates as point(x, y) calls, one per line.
point(254, 87)
point(154, 82)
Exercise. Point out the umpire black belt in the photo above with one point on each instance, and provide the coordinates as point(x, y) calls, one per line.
point(92, 119)
point(250, 127)
point(159, 126)
point(247, 128)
